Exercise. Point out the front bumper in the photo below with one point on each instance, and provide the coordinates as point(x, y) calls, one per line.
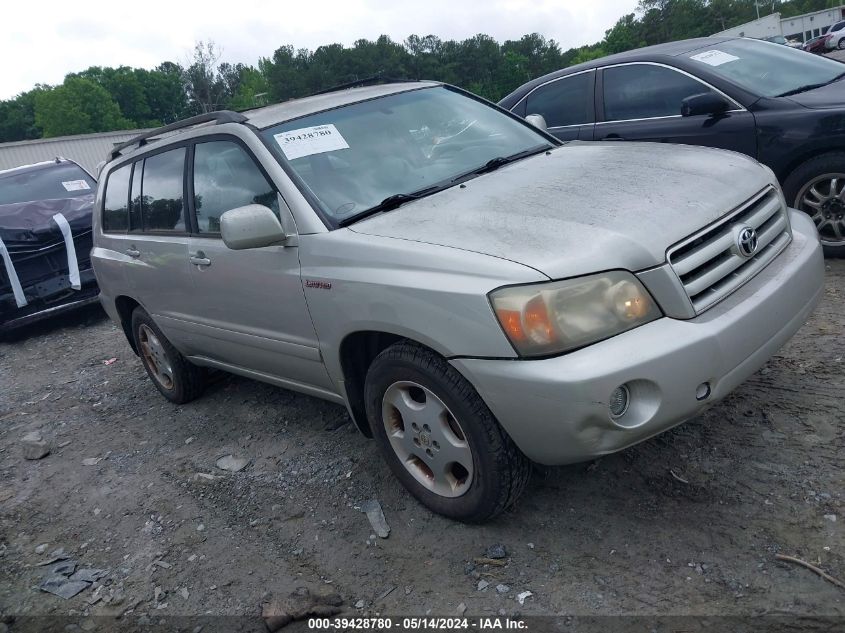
point(556, 409)
point(46, 299)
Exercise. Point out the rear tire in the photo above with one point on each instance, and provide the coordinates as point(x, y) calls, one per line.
point(177, 379)
point(440, 440)
point(817, 187)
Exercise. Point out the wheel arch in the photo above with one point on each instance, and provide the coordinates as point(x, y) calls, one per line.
point(795, 162)
point(356, 353)
point(125, 307)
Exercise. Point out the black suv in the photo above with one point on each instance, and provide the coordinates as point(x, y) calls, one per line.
point(45, 241)
point(780, 105)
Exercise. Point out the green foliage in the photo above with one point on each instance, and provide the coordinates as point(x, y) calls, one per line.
point(78, 106)
point(17, 117)
point(102, 98)
point(252, 89)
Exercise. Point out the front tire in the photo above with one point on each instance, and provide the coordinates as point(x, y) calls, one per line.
point(438, 436)
point(817, 187)
point(841, 44)
point(174, 376)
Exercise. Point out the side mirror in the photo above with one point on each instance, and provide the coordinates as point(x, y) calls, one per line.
point(705, 103)
point(538, 121)
point(251, 226)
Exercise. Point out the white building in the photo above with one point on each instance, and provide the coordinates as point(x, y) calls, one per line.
point(799, 27)
point(86, 149)
point(768, 26)
point(809, 25)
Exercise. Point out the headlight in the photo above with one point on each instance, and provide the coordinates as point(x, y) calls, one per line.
point(553, 317)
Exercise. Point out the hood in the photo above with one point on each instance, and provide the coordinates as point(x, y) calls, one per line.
point(31, 223)
point(829, 96)
point(583, 208)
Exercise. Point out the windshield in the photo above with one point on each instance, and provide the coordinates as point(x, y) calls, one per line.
point(51, 182)
point(767, 69)
point(353, 158)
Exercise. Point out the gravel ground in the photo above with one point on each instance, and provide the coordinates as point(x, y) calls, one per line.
point(688, 523)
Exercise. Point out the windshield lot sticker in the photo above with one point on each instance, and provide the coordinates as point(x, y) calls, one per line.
point(310, 140)
point(75, 185)
point(714, 57)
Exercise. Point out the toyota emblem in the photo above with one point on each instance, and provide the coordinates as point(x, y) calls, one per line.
point(746, 241)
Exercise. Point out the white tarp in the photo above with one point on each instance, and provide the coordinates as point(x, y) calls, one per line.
point(17, 289)
point(72, 264)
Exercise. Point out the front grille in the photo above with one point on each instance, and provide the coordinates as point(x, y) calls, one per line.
point(710, 265)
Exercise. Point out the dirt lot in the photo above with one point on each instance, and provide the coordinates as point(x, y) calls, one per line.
point(687, 523)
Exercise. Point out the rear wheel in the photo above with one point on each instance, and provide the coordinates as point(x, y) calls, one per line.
point(174, 376)
point(439, 438)
point(817, 187)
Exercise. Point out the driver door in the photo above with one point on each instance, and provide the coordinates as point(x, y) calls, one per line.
point(248, 308)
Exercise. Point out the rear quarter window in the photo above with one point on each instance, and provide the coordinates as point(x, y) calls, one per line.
point(116, 204)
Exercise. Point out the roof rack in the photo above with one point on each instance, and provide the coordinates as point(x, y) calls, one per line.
point(367, 81)
point(220, 116)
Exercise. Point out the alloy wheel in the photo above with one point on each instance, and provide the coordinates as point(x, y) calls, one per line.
point(823, 199)
point(427, 439)
point(155, 356)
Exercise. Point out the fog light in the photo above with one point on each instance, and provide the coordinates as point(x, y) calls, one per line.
point(619, 401)
point(702, 392)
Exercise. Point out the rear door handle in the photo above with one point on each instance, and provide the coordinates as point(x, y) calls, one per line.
point(133, 253)
point(199, 259)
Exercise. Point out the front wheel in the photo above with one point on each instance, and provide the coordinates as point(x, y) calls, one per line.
point(841, 44)
point(438, 436)
point(817, 187)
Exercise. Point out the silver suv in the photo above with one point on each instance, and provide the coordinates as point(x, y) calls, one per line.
point(476, 293)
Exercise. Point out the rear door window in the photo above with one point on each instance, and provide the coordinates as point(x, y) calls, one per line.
point(646, 91)
point(116, 205)
point(567, 101)
point(162, 206)
point(226, 177)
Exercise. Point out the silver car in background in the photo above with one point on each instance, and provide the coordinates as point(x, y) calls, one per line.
point(476, 293)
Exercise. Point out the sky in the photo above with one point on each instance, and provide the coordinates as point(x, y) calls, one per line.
point(43, 41)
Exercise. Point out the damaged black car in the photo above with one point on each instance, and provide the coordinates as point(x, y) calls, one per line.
point(45, 241)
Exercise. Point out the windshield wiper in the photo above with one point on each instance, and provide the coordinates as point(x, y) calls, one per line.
point(809, 87)
point(390, 203)
point(500, 161)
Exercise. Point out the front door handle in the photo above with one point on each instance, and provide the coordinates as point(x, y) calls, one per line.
point(133, 252)
point(199, 259)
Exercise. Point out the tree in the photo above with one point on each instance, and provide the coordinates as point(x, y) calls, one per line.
point(166, 93)
point(136, 97)
point(205, 86)
point(17, 117)
point(252, 89)
point(78, 106)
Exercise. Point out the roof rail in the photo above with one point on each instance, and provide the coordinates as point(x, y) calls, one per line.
point(219, 116)
point(366, 81)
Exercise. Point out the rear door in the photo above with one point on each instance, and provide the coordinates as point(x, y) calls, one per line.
point(157, 241)
point(641, 101)
point(566, 104)
point(248, 307)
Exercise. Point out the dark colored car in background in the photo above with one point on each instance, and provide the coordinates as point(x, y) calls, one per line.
point(45, 241)
point(775, 103)
point(817, 45)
